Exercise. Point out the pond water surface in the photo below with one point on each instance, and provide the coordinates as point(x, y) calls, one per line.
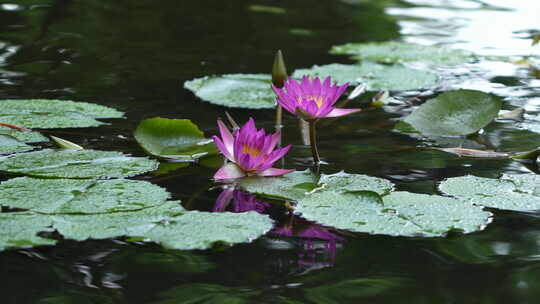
point(136, 55)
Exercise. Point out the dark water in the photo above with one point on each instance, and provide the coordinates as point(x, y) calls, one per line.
point(135, 56)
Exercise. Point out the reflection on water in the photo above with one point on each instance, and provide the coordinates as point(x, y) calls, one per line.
point(135, 55)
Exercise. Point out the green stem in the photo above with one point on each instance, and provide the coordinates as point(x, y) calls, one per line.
point(313, 142)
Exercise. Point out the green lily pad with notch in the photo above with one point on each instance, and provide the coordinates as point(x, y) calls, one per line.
point(50, 113)
point(173, 138)
point(250, 91)
point(20, 230)
point(28, 137)
point(510, 192)
point(66, 163)
point(80, 196)
point(9, 144)
point(292, 186)
point(375, 76)
point(395, 214)
point(455, 113)
point(393, 51)
point(169, 225)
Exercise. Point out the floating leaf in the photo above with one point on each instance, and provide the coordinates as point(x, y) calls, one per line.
point(80, 196)
point(393, 51)
point(473, 153)
point(293, 185)
point(9, 144)
point(168, 224)
point(173, 138)
point(200, 230)
point(24, 136)
point(20, 229)
point(50, 113)
point(375, 76)
point(355, 182)
point(251, 91)
point(76, 164)
point(396, 214)
point(511, 192)
point(455, 113)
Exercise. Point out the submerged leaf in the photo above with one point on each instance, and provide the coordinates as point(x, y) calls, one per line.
point(455, 113)
point(173, 138)
point(396, 214)
point(80, 196)
point(375, 76)
point(251, 91)
point(393, 51)
point(510, 192)
point(69, 163)
point(50, 113)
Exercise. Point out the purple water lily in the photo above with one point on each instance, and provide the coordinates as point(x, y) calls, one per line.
point(241, 202)
point(310, 99)
point(250, 151)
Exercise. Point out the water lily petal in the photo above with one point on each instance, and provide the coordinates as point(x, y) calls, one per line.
point(341, 112)
point(221, 146)
point(226, 136)
point(229, 171)
point(275, 172)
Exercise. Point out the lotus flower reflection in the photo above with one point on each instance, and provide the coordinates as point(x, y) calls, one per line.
point(310, 99)
point(250, 151)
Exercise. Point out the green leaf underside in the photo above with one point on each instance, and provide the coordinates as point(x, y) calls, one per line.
point(251, 91)
point(66, 163)
point(510, 192)
point(396, 214)
point(24, 136)
point(375, 76)
point(80, 196)
point(49, 113)
point(393, 51)
point(173, 138)
point(19, 230)
point(292, 186)
point(9, 144)
point(455, 113)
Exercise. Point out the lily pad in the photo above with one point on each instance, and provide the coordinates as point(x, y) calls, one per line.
point(173, 138)
point(293, 185)
point(50, 113)
point(9, 144)
point(455, 113)
point(168, 224)
point(396, 214)
point(24, 136)
point(393, 51)
point(355, 182)
point(251, 91)
point(510, 192)
point(80, 196)
point(67, 163)
point(20, 229)
point(375, 76)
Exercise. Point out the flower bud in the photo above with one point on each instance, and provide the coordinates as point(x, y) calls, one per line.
point(279, 71)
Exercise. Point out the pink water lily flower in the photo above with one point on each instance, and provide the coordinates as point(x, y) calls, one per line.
point(310, 99)
point(250, 151)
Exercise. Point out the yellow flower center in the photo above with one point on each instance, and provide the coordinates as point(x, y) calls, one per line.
point(319, 100)
point(253, 152)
